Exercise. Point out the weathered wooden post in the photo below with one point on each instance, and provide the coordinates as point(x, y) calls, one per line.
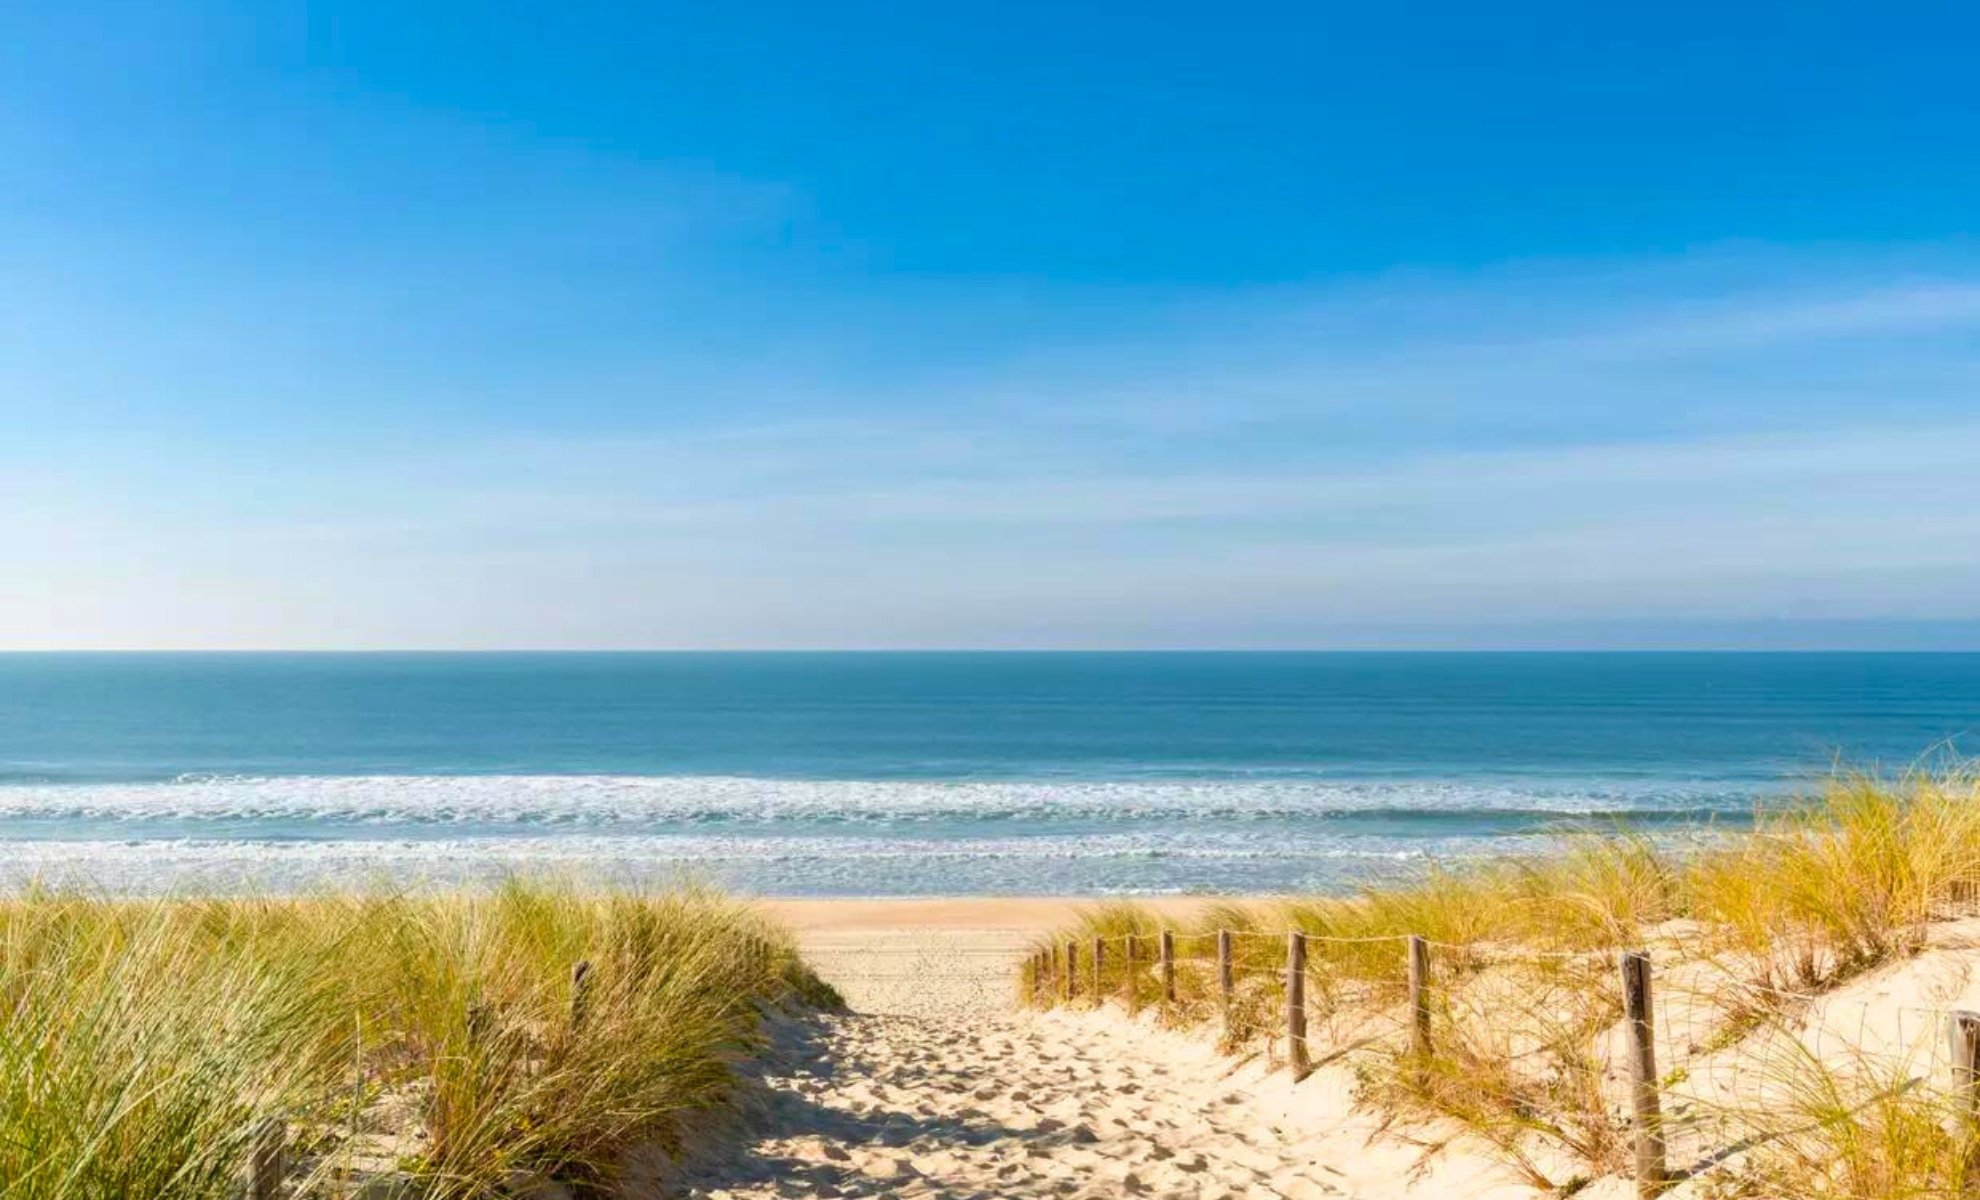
point(267, 1159)
point(1072, 969)
point(1226, 983)
point(1099, 966)
point(1165, 951)
point(580, 992)
point(1652, 1176)
point(1128, 995)
point(1963, 1033)
point(1419, 997)
point(1296, 1056)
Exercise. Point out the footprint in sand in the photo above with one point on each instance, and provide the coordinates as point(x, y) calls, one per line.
point(949, 1094)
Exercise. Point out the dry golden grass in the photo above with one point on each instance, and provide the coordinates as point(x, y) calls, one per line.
point(1526, 1001)
point(142, 1041)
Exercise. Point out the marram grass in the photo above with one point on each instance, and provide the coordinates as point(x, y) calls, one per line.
point(1745, 927)
point(433, 1039)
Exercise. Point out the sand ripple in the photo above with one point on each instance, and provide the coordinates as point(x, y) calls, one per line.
point(938, 1088)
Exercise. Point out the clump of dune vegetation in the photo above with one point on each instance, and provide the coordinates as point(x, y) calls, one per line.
point(1750, 931)
point(447, 1044)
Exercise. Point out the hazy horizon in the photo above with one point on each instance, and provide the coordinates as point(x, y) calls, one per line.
point(1965, 640)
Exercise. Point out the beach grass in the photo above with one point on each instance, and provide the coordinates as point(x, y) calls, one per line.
point(440, 1041)
point(1749, 929)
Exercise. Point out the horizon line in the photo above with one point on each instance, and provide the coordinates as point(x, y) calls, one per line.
point(245, 651)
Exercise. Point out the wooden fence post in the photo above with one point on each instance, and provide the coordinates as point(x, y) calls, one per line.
point(1652, 1176)
point(1099, 965)
point(1226, 982)
point(267, 1159)
point(1963, 1033)
point(1419, 997)
point(1072, 969)
point(1296, 1055)
point(580, 992)
point(1129, 996)
point(1166, 952)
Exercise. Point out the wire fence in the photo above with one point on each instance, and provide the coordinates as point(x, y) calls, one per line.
point(1626, 1067)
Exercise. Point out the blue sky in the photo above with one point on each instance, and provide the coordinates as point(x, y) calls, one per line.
point(452, 325)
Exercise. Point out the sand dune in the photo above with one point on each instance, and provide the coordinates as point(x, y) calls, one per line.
point(936, 1086)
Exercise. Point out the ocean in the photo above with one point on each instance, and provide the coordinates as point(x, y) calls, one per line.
point(913, 774)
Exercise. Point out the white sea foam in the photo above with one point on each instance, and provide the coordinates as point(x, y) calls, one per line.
point(786, 836)
point(605, 800)
point(788, 865)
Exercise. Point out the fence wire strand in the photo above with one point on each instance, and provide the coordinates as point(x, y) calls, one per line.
point(1543, 1034)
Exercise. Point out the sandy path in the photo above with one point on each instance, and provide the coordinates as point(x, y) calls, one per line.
point(936, 1086)
point(920, 1106)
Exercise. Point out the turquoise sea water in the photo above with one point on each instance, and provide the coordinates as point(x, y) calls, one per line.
point(879, 774)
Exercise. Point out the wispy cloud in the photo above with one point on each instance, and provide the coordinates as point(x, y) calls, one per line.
point(1576, 451)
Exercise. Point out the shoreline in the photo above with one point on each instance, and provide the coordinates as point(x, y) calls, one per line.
point(938, 956)
point(964, 913)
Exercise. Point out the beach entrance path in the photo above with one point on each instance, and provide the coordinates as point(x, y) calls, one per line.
point(935, 1086)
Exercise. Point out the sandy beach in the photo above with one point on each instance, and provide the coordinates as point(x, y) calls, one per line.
point(931, 957)
point(937, 1085)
